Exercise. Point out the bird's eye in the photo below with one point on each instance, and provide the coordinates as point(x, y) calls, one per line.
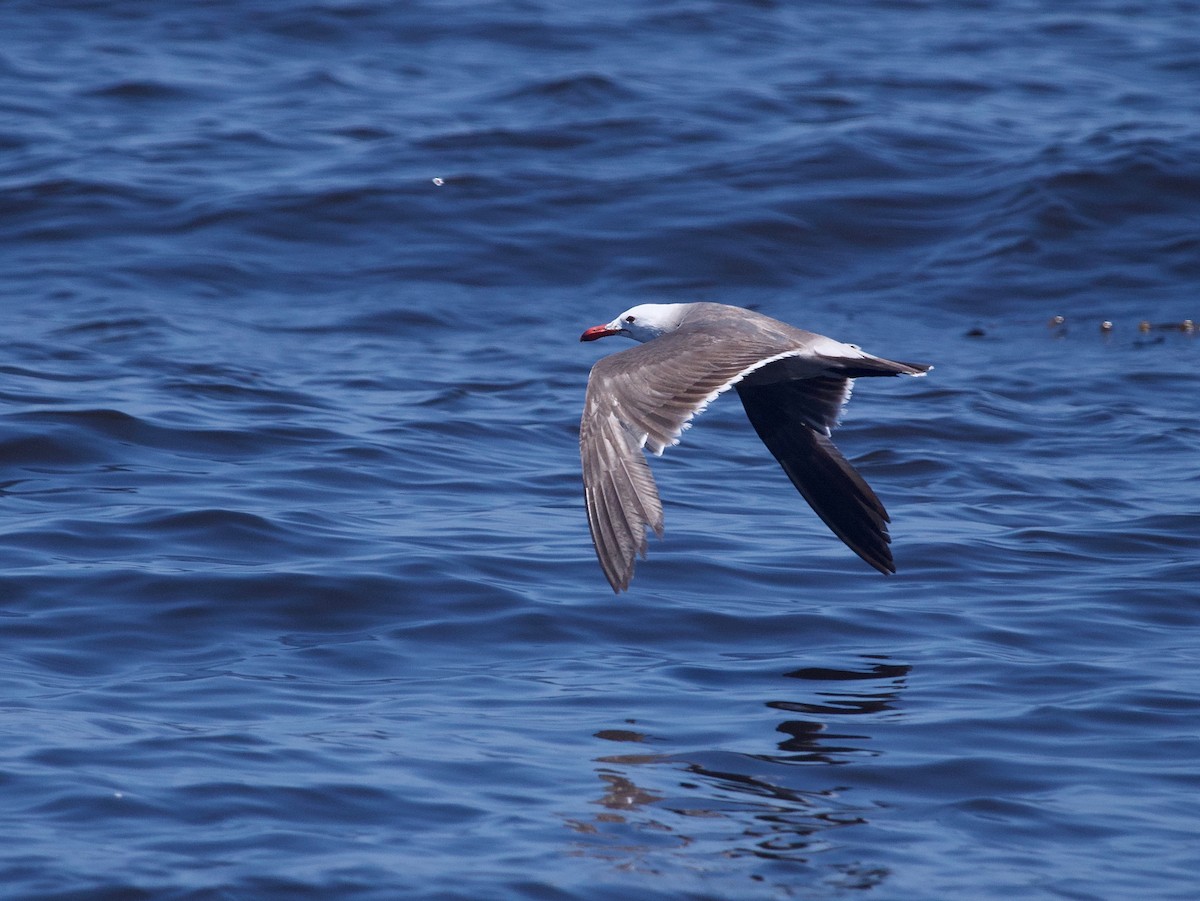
point(630, 318)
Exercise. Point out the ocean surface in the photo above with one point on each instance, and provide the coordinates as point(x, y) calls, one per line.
point(297, 596)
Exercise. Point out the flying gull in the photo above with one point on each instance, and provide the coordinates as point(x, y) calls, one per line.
point(792, 383)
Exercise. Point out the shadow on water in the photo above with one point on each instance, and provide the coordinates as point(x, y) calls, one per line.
point(779, 812)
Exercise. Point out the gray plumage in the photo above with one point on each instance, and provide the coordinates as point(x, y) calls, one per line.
point(792, 384)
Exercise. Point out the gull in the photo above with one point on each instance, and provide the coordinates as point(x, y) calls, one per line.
point(792, 384)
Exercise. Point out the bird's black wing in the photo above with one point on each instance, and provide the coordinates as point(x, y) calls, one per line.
point(793, 420)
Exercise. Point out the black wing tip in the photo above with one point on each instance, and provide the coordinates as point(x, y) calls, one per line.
point(881, 565)
point(875, 552)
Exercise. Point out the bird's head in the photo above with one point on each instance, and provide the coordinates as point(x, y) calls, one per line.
point(641, 323)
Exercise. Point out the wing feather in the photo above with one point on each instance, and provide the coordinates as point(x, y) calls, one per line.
point(644, 397)
point(792, 419)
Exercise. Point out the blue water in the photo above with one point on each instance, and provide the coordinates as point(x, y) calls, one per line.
point(298, 599)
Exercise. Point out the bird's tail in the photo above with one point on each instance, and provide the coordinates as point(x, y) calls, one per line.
point(867, 366)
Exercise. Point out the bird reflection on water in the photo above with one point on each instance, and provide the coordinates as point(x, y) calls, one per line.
point(768, 807)
point(809, 741)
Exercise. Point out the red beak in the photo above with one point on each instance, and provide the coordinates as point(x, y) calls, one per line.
point(598, 331)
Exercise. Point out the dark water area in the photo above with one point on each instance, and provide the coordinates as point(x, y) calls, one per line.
point(298, 598)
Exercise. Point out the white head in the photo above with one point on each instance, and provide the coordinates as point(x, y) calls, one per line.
point(641, 323)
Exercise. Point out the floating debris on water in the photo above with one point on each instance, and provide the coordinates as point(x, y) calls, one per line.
point(1057, 325)
point(1187, 326)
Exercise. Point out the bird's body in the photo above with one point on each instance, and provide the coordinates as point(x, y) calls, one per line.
point(792, 384)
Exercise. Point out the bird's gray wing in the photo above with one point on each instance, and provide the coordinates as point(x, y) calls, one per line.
point(644, 397)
